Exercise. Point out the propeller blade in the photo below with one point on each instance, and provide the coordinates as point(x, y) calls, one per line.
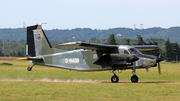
point(158, 60)
point(159, 69)
point(159, 55)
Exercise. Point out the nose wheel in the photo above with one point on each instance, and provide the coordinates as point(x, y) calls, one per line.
point(134, 79)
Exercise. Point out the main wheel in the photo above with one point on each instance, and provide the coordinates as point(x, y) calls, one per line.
point(134, 79)
point(29, 68)
point(114, 79)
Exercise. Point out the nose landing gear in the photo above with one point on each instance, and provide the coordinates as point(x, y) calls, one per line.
point(134, 79)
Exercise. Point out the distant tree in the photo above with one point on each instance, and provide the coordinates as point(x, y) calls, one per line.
point(13, 54)
point(176, 50)
point(169, 51)
point(152, 42)
point(1, 54)
point(111, 39)
point(127, 41)
point(140, 40)
point(93, 40)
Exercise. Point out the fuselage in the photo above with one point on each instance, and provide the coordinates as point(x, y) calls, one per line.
point(84, 60)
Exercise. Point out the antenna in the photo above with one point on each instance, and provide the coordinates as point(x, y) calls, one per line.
point(43, 23)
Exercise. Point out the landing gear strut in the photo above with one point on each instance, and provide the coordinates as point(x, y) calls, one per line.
point(114, 78)
point(134, 78)
point(30, 68)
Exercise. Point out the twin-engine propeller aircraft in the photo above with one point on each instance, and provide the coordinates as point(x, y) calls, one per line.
point(89, 56)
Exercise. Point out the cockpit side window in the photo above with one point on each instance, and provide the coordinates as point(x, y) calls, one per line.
point(134, 51)
point(126, 52)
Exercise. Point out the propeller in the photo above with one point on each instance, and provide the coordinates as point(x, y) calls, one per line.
point(158, 60)
point(159, 69)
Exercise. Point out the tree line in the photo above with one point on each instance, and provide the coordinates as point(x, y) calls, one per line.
point(61, 35)
point(169, 51)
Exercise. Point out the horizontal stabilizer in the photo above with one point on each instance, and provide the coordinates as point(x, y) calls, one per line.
point(31, 58)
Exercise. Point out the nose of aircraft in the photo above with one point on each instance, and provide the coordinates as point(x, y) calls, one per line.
point(135, 58)
point(158, 60)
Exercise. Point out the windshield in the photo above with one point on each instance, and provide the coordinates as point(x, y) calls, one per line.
point(134, 51)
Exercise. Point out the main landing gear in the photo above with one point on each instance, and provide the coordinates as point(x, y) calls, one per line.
point(114, 78)
point(134, 78)
point(30, 68)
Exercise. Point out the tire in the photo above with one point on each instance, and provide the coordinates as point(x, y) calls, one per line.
point(29, 68)
point(134, 79)
point(114, 79)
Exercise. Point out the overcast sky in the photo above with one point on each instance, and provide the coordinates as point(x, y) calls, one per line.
point(95, 14)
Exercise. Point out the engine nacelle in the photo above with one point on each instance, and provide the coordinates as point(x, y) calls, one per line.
point(116, 59)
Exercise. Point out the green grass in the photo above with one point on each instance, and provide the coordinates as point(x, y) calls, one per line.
point(16, 83)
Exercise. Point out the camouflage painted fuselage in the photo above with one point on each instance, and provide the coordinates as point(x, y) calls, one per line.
point(82, 60)
point(120, 57)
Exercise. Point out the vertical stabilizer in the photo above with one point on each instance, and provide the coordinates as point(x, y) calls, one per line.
point(37, 42)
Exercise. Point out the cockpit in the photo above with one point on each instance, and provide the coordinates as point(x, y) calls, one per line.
point(134, 51)
point(125, 49)
point(129, 50)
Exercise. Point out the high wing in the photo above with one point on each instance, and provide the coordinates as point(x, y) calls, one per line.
point(91, 46)
point(104, 47)
point(146, 47)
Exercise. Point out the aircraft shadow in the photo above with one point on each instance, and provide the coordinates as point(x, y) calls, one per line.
point(141, 82)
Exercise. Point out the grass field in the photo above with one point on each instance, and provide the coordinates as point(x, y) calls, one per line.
point(45, 83)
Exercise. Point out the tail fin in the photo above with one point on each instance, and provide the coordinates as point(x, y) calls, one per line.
point(37, 42)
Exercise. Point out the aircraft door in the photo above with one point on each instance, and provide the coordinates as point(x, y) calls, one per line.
point(121, 51)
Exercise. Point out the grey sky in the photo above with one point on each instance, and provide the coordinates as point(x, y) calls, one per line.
point(96, 14)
